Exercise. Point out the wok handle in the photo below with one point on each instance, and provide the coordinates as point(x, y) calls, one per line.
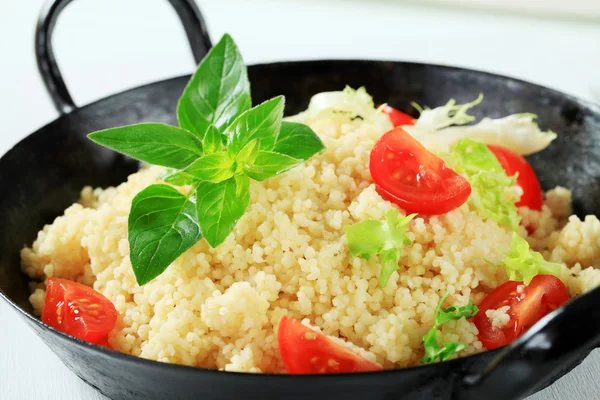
point(548, 350)
point(188, 13)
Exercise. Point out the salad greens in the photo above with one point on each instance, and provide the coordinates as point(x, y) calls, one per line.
point(384, 238)
point(430, 343)
point(220, 145)
point(345, 105)
point(446, 115)
point(522, 264)
point(440, 127)
point(490, 185)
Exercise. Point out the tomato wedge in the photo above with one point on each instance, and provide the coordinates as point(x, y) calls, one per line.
point(305, 351)
point(413, 178)
point(513, 163)
point(398, 118)
point(78, 310)
point(544, 294)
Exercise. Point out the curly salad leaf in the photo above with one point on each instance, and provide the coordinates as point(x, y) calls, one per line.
point(438, 128)
point(221, 143)
point(446, 115)
point(491, 193)
point(384, 238)
point(343, 107)
point(522, 264)
point(430, 343)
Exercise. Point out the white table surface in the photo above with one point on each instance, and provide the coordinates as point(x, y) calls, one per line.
point(106, 46)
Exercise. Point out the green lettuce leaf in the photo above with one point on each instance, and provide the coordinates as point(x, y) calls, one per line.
point(437, 129)
point(489, 182)
point(446, 115)
point(346, 105)
point(430, 343)
point(522, 264)
point(385, 238)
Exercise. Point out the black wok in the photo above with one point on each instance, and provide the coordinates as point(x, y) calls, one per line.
point(44, 173)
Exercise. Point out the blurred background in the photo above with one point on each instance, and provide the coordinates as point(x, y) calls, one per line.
point(106, 46)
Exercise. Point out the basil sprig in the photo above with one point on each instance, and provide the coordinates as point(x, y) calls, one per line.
point(220, 145)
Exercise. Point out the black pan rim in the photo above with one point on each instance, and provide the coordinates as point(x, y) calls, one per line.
point(593, 107)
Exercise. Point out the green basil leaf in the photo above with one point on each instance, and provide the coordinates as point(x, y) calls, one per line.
point(218, 92)
point(247, 155)
point(298, 141)
point(176, 177)
point(268, 164)
point(212, 141)
point(242, 183)
point(156, 144)
point(162, 226)
point(215, 167)
point(261, 122)
point(220, 206)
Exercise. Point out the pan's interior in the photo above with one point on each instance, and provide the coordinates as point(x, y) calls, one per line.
point(44, 173)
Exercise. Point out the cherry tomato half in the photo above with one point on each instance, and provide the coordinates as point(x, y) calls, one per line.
point(412, 177)
point(78, 310)
point(544, 294)
point(527, 179)
point(305, 351)
point(398, 118)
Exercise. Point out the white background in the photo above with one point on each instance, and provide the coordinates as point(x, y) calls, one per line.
point(107, 46)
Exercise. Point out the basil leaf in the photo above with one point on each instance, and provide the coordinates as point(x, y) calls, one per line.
point(162, 226)
point(268, 164)
point(261, 122)
point(212, 140)
point(220, 206)
point(242, 183)
point(215, 167)
point(176, 177)
point(298, 141)
point(218, 92)
point(248, 154)
point(156, 144)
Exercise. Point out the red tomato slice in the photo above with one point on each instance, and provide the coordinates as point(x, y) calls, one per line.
point(305, 351)
point(513, 163)
point(410, 176)
point(544, 294)
point(398, 118)
point(78, 310)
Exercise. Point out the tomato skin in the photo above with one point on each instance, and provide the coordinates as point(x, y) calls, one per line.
point(398, 118)
point(543, 295)
point(513, 163)
point(78, 310)
point(305, 351)
point(413, 178)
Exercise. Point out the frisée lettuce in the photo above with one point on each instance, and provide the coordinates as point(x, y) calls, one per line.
point(491, 193)
point(440, 127)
